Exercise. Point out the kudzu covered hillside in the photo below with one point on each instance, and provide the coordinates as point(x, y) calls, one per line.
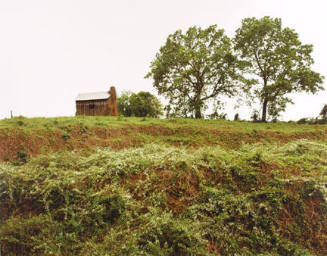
point(141, 186)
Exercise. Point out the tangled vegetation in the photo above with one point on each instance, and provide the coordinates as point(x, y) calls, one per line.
point(258, 199)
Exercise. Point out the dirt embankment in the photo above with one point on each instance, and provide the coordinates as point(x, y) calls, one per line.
point(21, 143)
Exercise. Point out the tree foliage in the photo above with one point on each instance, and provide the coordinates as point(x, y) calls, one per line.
point(193, 68)
point(275, 63)
point(123, 104)
point(140, 104)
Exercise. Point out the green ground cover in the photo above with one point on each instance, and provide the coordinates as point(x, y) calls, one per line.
point(166, 196)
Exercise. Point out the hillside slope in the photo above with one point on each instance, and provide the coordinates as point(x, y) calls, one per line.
point(162, 187)
point(23, 137)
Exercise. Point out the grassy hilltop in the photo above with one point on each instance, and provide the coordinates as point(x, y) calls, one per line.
point(133, 186)
point(23, 137)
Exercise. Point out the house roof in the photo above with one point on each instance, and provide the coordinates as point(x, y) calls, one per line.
point(93, 96)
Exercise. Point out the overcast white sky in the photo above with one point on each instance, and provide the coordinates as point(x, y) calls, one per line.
point(51, 50)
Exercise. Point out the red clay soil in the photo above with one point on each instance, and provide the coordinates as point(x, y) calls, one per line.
point(17, 142)
point(34, 142)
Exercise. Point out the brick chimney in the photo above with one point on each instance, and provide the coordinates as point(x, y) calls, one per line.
point(113, 102)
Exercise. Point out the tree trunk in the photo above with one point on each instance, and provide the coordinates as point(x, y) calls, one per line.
point(198, 112)
point(264, 111)
point(198, 104)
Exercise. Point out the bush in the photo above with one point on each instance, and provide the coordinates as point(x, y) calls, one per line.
point(302, 121)
point(312, 121)
point(142, 104)
point(218, 116)
point(323, 112)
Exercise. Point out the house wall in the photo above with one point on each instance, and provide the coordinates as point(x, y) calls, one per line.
point(93, 108)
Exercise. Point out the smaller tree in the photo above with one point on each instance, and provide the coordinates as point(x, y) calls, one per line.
point(323, 112)
point(140, 104)
point(123, 104)
point(145, 104)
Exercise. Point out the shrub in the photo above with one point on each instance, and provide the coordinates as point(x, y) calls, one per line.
point(302, 121)
point(323, 112)
point(140, 104)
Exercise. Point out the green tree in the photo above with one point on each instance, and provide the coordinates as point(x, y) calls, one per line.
point(145, 104)
point(140, 104)
point(275, 63)
point(193, 68)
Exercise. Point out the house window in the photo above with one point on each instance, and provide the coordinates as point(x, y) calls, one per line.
point(91, 106)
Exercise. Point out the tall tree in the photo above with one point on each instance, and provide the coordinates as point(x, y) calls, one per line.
point(275, 63)
point(193, 68)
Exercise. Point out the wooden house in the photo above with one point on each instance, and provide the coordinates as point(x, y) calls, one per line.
point(97, 103)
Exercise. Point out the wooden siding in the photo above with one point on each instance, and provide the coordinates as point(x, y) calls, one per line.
point(92, 108)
